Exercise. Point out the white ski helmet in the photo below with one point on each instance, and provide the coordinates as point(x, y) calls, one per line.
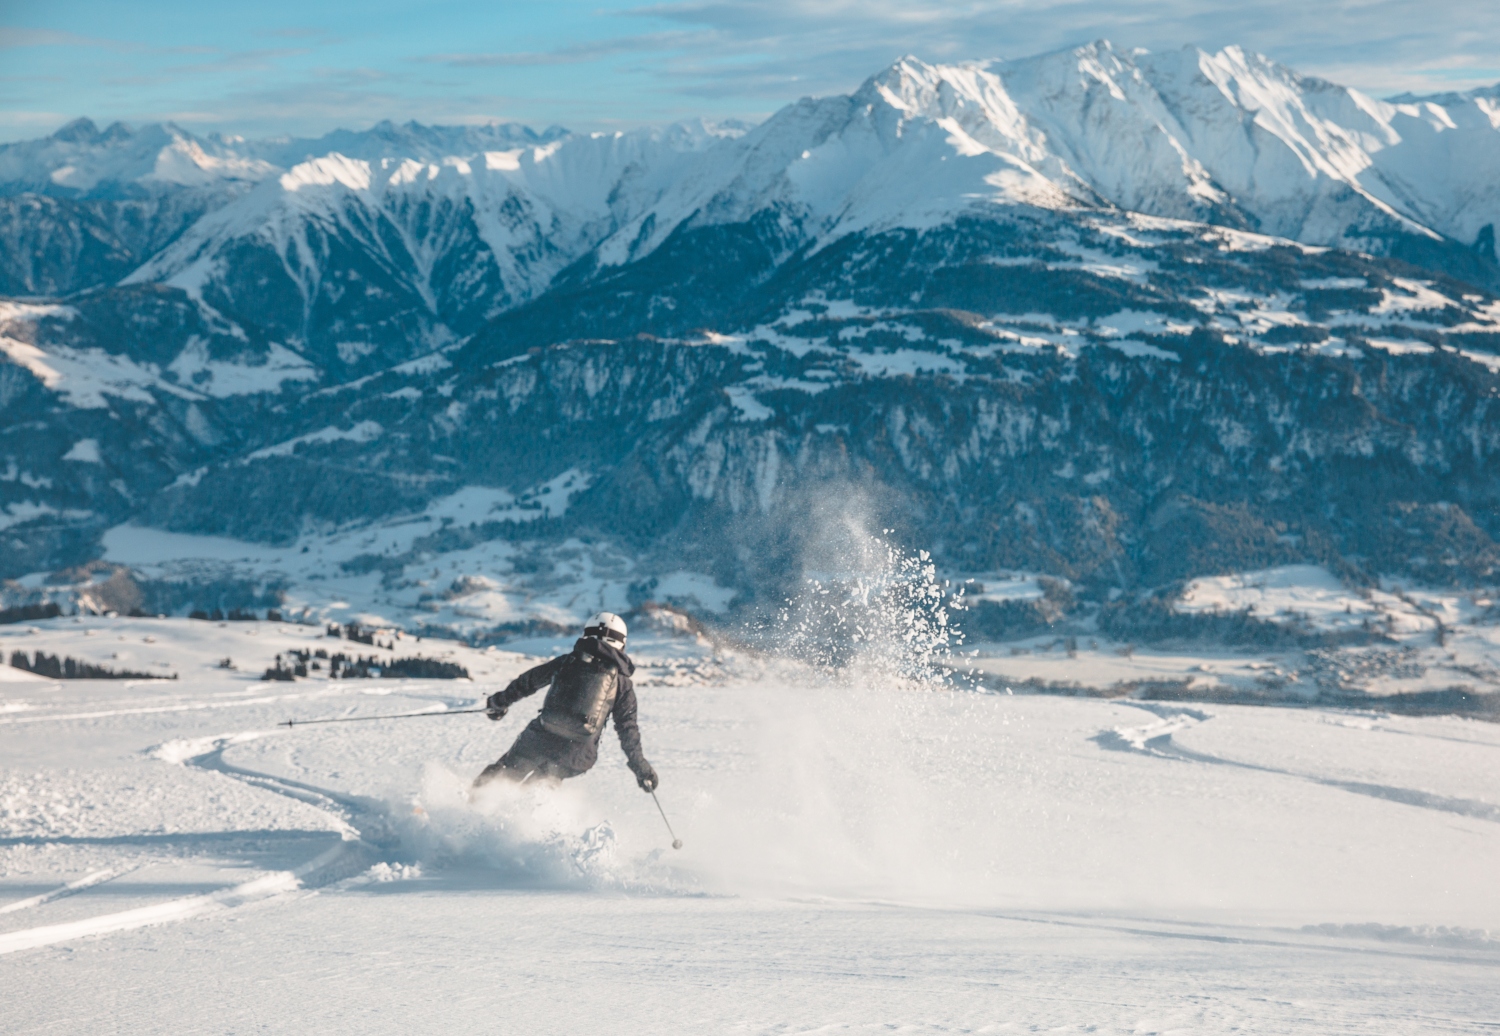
point(606, 626)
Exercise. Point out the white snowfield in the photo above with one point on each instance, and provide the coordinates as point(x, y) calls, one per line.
point(1418, 640)
point(856, 859)
point(469, 590)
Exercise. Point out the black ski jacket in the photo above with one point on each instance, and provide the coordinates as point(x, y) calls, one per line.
point(538, 743)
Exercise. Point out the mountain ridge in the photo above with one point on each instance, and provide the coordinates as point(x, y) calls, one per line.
point(1032, 314)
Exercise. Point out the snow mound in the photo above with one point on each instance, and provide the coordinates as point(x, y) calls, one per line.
point(181, 751)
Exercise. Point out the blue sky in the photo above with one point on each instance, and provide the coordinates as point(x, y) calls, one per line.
point(277, 66)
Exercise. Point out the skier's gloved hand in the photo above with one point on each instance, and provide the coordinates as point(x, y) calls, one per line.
point(645, 776)
point(494, 708)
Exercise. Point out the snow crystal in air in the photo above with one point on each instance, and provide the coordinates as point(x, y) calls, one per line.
point(878, 610)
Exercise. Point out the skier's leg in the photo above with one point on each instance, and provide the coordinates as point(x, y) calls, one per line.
point(524, 769)
point(512, 766)
point(534, 756)
point(554, 772)
point(494, 771)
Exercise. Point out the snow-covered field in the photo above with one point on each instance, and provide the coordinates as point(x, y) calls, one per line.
point(462, 592)
point(1405, 641)
point(1415, 639)
point(856, 859)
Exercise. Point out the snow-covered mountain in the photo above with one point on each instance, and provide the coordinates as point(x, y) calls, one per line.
point(82, 192)
point(1227, 137)
point(1118, 317)
point(80, 160)
point(338, 245)
point(1209, 136)
point(443, 227)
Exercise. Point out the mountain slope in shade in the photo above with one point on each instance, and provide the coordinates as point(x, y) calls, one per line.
point(1121, 400)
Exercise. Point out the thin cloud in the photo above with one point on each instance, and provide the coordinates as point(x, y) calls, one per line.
point(321, 35)
point(12, 38)
point(573, 55)
point(192, 116)
point(1383, 42)
point(241, 61)
point(253, 61)
point(33, 119)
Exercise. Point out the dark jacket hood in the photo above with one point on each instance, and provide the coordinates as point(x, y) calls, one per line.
point(604, 649)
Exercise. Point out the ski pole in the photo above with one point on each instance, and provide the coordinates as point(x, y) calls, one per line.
point(676, 842)
point(356, 719)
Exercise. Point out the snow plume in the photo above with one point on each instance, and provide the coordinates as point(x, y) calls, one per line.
point(868, 611)
point(834, 789)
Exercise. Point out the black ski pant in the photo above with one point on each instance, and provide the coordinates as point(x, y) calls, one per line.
point(541, 755)
point(518, 765)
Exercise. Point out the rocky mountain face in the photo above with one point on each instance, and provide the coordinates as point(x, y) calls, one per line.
point(1121, 319)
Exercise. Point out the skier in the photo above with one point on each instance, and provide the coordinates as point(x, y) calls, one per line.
point(584, 687)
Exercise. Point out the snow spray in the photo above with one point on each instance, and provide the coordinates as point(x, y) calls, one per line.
point(836, 794)
point(882, 617)
point(525, 835)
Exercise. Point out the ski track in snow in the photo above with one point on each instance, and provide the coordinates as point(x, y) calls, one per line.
point(1156, 739)
point(1335, 938)
point(206, 754)
point(198, 706)
point(88, 881)
point(263, 887)
point(1152, 738)
point(368, 836)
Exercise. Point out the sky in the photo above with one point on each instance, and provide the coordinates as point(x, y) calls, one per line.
point(274, 67)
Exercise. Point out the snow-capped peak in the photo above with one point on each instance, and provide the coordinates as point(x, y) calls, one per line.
point(79, 159)
point(1228, 137)
point(331, 169)
point(916, 145)
point(1449, 98)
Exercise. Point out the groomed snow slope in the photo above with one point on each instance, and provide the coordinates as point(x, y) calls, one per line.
point(855, 860)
